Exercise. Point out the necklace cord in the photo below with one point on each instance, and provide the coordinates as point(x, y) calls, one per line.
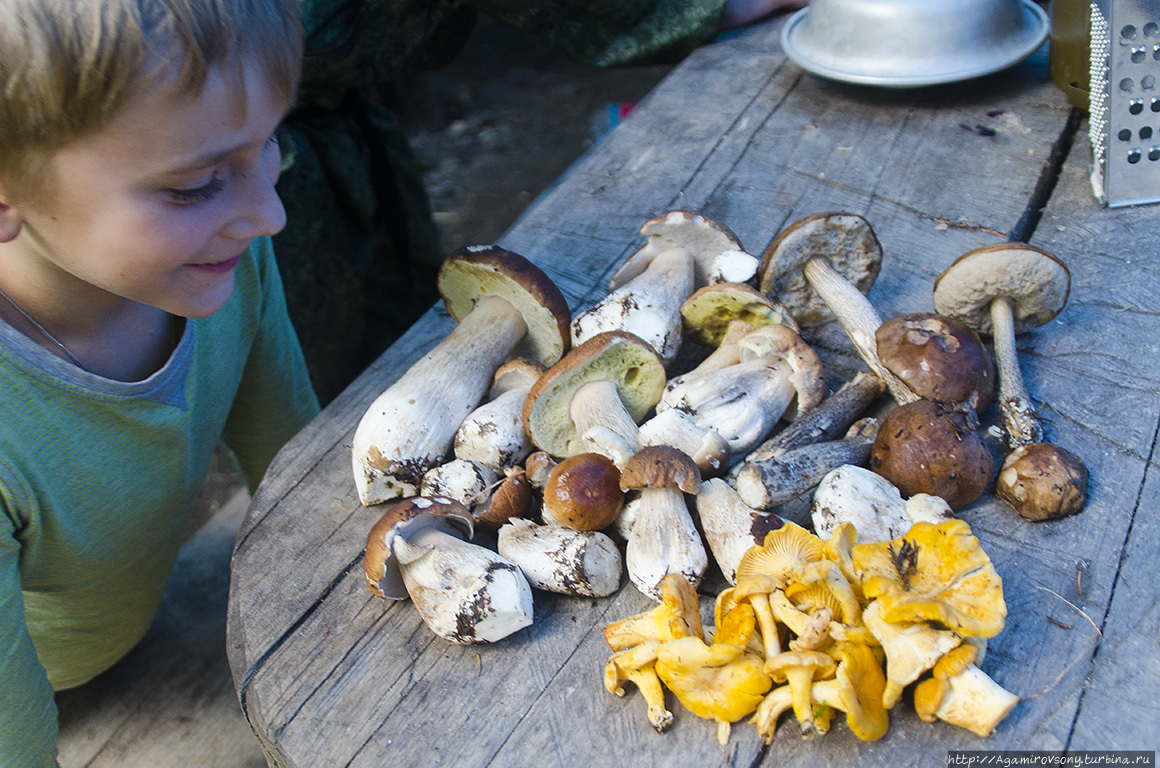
point(44, 331)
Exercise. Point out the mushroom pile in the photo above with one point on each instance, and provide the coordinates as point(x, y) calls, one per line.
point(665, 428)
point(819, 626)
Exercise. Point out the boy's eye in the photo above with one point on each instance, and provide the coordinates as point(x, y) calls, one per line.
point(197, 194)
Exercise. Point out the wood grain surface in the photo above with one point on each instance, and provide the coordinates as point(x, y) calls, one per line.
point(330, 675)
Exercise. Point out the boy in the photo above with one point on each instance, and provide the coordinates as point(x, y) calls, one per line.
point(141, 313)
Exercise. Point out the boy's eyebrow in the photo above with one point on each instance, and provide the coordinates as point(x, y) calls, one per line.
point(212, 157)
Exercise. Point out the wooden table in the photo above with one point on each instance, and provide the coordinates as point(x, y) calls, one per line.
point(329, 675)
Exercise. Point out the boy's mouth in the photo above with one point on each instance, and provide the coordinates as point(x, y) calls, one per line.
point(218, 267)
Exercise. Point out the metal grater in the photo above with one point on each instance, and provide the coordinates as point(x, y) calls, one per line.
point(1125, 101)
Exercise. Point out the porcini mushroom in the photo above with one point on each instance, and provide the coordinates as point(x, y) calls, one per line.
point(468, 482)
point(380, 568)
point(562, 560)
point(493, 434)
point(934, 448)
point(504, 305)
point(715, 249)
point(960, 693)
point(865, 499)
point(1006, 289)
point(648, 306)
point(673, 427)
point(464, 592)
point(583, 493)
point(938, 358)
point(664, 539)
point(609, 382)
point(709, 312)
point(779, 375)
point(821, 267)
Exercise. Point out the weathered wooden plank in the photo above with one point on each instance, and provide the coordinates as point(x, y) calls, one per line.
point(1118, 289)
point(760, 148)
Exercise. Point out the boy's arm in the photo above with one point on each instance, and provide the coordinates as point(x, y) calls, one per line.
point(275, 398)
point(28, 720)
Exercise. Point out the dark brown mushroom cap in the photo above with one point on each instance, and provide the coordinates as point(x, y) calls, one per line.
point(1035, 282)
point(707, 313)
point(621, 358)
point(380, 568)
point(470, 273)
point(845, 240)
point(938, 357)
point(1043, 482)
point(583, 493)
point(659, 466)
point(928, 447)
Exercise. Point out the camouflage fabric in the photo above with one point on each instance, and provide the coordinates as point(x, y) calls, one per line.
point(360, 251)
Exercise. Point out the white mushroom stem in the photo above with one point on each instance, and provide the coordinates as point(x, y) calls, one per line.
point(727, 353)
point(493, 434)
point(409, 428)
point(465, 593)
point(597, 404)
point(742, 402)
point(976, 702)
point(1022, 424)
point(673, 427)
point(463, 480)
point(858, 317)
point(731, 527)
point(664, 540)
point(562, 560)
point(851, 494)
point(648, 306)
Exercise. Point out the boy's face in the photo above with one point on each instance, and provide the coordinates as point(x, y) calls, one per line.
point(159, 205)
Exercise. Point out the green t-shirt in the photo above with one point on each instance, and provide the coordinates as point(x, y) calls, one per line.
point(97, 480)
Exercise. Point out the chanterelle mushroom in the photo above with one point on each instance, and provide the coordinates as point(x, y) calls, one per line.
point(677, 615)
point(1006, 289)
point(821, 266)
point(664, 539)
point(504, 305)
point(607, 384)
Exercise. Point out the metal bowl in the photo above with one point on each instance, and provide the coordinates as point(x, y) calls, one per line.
point(909, 43)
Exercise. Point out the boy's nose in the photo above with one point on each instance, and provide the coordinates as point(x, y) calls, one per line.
point(260, 210)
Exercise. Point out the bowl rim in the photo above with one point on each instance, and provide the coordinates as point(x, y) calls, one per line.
point(926, 71)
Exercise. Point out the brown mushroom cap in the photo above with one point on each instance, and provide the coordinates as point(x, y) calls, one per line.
point(512, 499)
point(708, 312)
point(583, 492)
point(488, 270)
point(1043, 482)
point(938, 357)
point(517, 372)
point(1035, 282)
point(698, 234)
point(928, 447)
point(621, 358)
point(659, 466)
point(845, 240)
point(380, 568)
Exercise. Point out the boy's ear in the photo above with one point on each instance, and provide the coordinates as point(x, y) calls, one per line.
point(10, 222)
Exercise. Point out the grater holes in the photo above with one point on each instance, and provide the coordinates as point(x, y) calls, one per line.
point(1156, 53)
point(1139, 54)
point(1135, 155)
point(1155, 104)
point(1128, 33)
point(1127, 85)
point(1145, 133)
point(1124, 135)
point(1152, 29)
point(1147, 82)
point(1154, 153)
point(1136, 106)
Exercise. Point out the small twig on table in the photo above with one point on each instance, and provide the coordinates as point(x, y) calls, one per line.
point(1074, 661)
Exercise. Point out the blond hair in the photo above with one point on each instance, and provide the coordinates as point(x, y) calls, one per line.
point(67, 66)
